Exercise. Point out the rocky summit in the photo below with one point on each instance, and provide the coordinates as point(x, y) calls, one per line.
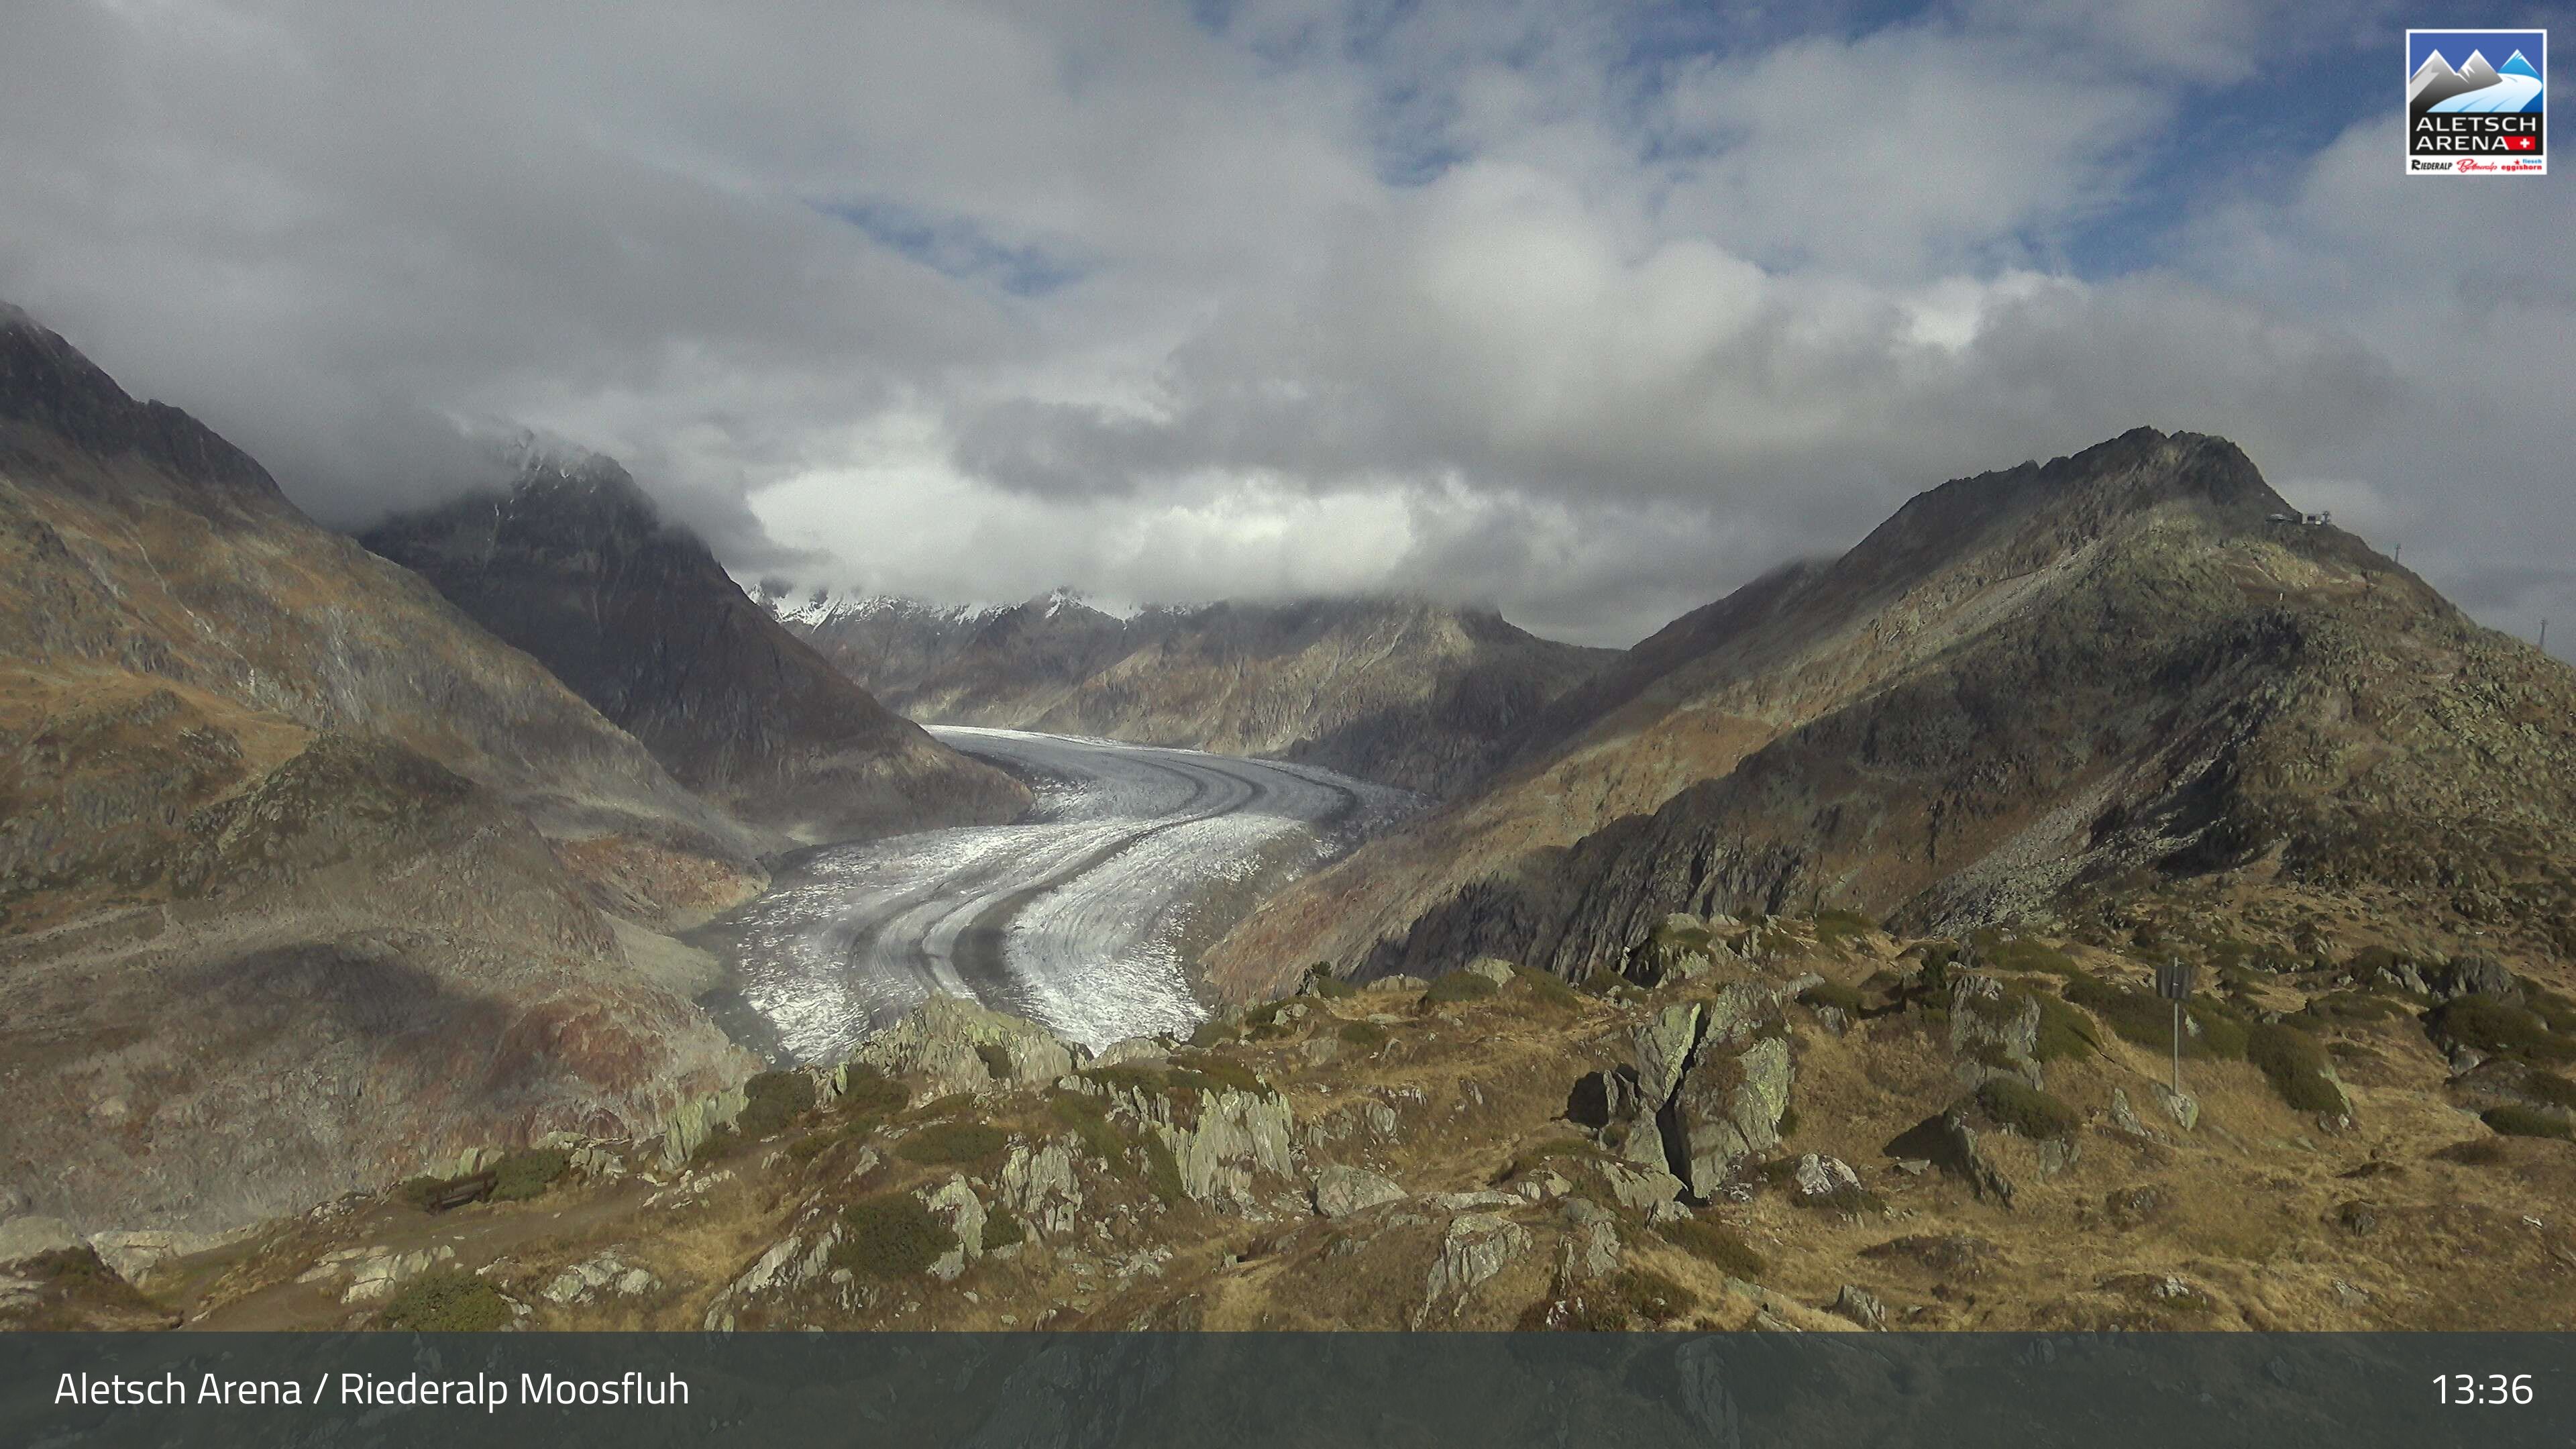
point(1802, 1124)
point(574, 564)
point(1422, 696)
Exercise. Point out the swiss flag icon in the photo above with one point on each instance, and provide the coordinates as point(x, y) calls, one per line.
point(2522, 143)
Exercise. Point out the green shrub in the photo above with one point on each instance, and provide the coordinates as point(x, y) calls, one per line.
point(2026, 1109)
point(1202, 1072)
point(1832, 994)
point(420, 1192)
point(1548, 987)
point(1649, 1296)
point(1716, 1243)
point(2476, 1152)
point(1788, 1122)
point(1366, 1035)
point(2550, 1087)
point(1328, 984)
point(1999, 952)
point(890, 1235)
point(813, 1145)
point(445, 1300)
point(1132, 1077)
point(1162, 1171)
point(2296, 1066)
point(1089, 1119)
point(955, 1144)
point(996, 1058)
point(2147, 1019)
point(1458, 986)
point(1836, 928)
point(2516, 1120)
point(1002, 1228)
point(867, 1092)
point(2498, 1028)
point(2065, 1034)
point(718, 1142)
point(771, 1101)
point(525, 1175)
point(1215, 1031)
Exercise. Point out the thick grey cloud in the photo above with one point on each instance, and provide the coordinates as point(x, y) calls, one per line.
point(1522, 302)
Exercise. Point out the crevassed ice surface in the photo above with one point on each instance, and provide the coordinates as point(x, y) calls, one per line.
point(1074, 916)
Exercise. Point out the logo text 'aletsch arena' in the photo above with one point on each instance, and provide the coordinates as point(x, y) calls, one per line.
point(2474, 102)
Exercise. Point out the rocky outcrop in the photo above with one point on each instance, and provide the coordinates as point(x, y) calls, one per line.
point(1476, 1248)
point(1234, 1136)
point(1039, 1184)
point(952, 1045)
point(1342, 1190)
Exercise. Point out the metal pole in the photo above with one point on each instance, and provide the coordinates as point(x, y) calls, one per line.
point(2544, 636)
point(2177, 1060)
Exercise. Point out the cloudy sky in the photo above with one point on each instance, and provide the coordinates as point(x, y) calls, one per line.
point(1592, 311)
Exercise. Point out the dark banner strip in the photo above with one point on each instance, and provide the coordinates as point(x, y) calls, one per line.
point(1094, 1391)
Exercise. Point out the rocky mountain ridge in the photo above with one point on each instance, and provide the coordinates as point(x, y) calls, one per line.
point(304, 878)
point(572, 563)
point(2025, 690)
point(1405, 692)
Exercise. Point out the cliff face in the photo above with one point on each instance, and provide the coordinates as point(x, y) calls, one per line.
point(303, 877)
point(1418, 695)
point(2022, 687)
point(572, 564)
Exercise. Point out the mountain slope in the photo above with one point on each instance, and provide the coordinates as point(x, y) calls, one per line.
point(572, 564)
point(303, 877)
point(1402, 691)
point(2022, 686)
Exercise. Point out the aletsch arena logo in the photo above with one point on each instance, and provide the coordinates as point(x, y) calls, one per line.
point(2474, 102)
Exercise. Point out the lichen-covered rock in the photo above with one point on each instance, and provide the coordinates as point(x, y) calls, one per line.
point(1341, 1191)
point(1640, 1190)
point(1993, 1032)
point(692, 1123)
point(25, 1237)
point(1132, 1049)
point(1236, 1135)
point(1478, 1246)
point(956, 1202)
point(1493, 969)
point(1603, 1097)
point(789, 1263)
point(1040, 1185)
point(602, 1276)
point(959, 1046)
point(1662, 1045)
point(1592, 1251)
point(2182, 1107)
point(1729, 1108)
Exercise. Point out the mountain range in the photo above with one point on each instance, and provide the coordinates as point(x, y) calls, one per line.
point(2112, 672)
point(1403, 691)
point(325, 867)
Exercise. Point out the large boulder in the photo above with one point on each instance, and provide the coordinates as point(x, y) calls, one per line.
point(1729, 1109)
point(1662, 1045)
point(1993, 1031)
point(1040, 1185)
point(1341, 1191)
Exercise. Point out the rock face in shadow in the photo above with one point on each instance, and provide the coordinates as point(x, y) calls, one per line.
point(1405, 692)
point(2019, 689)
point(304, 878)
point(573, 564)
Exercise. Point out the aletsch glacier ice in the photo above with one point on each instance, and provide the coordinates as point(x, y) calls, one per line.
point(1071, 917)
